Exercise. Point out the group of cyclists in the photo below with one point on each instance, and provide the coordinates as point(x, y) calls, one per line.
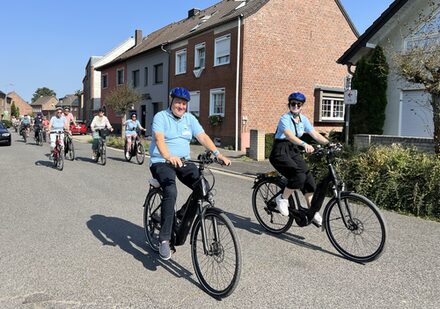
point(172, 131)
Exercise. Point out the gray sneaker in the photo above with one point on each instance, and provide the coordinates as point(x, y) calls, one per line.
point(164, 250)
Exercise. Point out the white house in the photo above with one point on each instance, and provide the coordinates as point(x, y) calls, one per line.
point(402, 26)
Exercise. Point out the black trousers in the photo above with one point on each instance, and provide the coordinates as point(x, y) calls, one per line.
point(166, 174)
point(287, 160)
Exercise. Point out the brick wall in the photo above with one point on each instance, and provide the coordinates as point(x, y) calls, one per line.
point(291, 45)
point(421, 143)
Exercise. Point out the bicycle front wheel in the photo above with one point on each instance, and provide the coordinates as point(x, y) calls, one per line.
point(60, 160)
point(140, 153)
point(103, 155)
point(152, 217)
point(218, 269)
point(355, 227)
point(71, 150)
point(264, 206)
point(40, 138)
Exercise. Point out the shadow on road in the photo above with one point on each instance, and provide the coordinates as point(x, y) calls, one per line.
point(44, 163)
point(255, 228)
point(84, 159)
point(112, 231)
point(117, 159)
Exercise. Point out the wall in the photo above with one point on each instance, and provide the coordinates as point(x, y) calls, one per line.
point(422, 143)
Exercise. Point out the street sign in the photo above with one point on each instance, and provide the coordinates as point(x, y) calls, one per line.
point(350, 97)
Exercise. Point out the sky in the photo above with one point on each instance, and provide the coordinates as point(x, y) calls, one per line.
point(47, 43)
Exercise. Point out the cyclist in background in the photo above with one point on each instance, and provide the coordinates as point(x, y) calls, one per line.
point(69, 116)
point(286, 156)
point(25, 124)
point(130, 131)
point(38, 124)
point(45, 127)
point(173, 130)
point(99, 122)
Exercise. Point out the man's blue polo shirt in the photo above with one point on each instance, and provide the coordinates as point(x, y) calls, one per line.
point(178, 134)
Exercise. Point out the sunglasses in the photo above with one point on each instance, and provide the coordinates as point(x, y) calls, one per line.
point(298, 104)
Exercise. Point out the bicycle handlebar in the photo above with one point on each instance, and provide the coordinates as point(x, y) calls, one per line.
point(203, 158)
point(328, 149)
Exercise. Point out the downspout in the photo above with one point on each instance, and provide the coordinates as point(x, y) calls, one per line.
point(237, 84)
point(168, 71)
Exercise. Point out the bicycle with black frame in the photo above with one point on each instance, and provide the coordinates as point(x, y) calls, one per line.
point(353, 223)
point(137, 149)
point(69, 149)
point(39, 139)
point(215, 247)
point(101, 151)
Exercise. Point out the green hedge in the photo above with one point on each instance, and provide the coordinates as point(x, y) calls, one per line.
point(395, 178)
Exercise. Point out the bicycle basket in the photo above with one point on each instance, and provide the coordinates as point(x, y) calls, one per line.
point(104, 133)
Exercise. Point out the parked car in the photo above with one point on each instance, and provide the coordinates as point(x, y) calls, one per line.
point(5, 135)
point(80, 128)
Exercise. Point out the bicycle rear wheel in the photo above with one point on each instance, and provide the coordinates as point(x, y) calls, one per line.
point(152, 217)
point(362, 237)
point(71, 150)
point(263, 204)
point(218, 269)
point(140, 153)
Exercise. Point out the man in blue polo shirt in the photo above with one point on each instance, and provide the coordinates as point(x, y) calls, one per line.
point(173, 130)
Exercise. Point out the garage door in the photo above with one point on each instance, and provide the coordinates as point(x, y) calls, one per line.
point(416, 114)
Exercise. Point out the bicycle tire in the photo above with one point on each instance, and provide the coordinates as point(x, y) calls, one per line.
point(152, 217)
point(263, 205)
point(217, 256)
point(140, 153)
point(103, 155)
point(60, 159)
point(70, 150)
point(365, 217)
point(40, 138)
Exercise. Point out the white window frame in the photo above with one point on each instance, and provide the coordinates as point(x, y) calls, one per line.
point(332, 97)
point(197, 58)
point(105, 75)
point(212, 94)
point(117, 76)
point(219, 54)
point(181, 55)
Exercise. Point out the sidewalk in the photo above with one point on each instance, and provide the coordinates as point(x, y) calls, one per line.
point(241, 165)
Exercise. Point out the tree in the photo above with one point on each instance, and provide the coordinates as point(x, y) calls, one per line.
point(121, 100)
point(421, 65)
point(370, 80)
point(15, 110)
point(42, 92)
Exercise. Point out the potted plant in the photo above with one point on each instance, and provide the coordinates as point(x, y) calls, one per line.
point(215, 120)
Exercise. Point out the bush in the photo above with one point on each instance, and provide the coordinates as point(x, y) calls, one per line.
point(119, 142)
point(7, 123)
point(269, 139)
point(394, 178)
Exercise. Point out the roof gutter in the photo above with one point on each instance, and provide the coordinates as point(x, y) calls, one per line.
point(237, 82)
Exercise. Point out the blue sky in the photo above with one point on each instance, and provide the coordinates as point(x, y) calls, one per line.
point(47, 43)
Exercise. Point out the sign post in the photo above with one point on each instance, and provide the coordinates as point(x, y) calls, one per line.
point(350, 98)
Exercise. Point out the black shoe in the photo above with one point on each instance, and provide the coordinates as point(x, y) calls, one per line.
point(165, 250)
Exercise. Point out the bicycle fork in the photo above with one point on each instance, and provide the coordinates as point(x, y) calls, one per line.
point(209, 249)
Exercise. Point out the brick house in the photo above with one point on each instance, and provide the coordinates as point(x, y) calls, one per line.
point(24, 107)
point(46, 105)
point(145, 68)
point(241, 60)
point(398, 29)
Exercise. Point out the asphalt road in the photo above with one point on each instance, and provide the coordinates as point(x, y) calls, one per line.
point(74, 239)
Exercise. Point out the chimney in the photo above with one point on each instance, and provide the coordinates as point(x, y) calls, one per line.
point(137, 37)
point(193, 12)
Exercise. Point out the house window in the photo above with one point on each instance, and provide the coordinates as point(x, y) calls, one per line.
point(120, 76)
point(104, 81)
point(181, 61)
point(194, 104)
point(222, 50)
point(158, 73)
point(146, 76)
point(135, 78)
point(332, 107)
point(199, 56)
point(426, 36)
point(217, 102)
